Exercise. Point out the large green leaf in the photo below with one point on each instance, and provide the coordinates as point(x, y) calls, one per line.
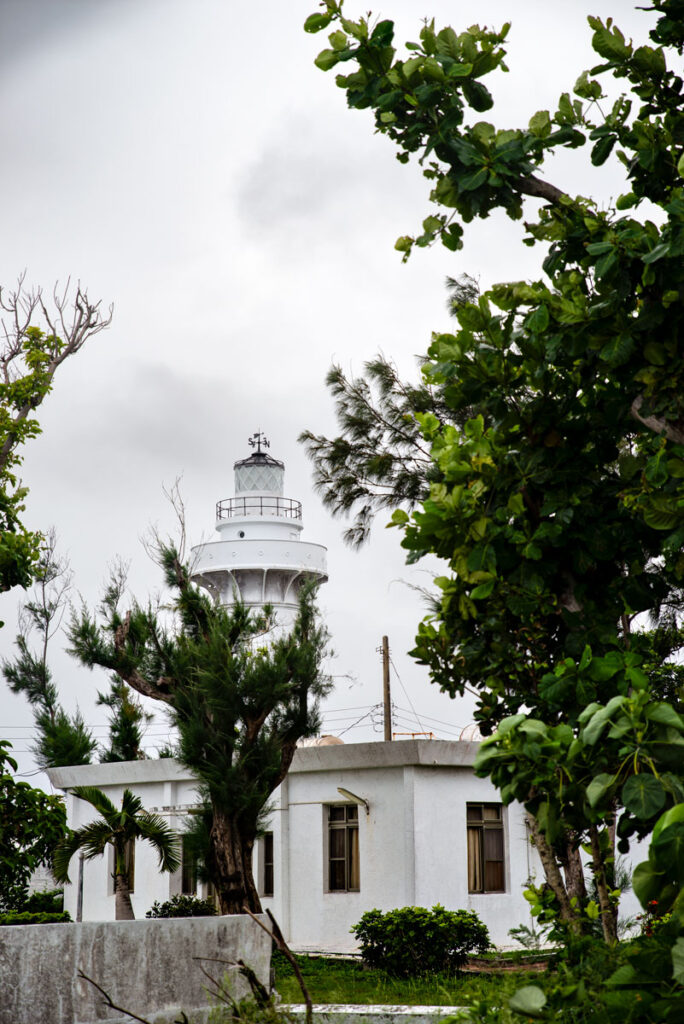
point(670, 817)
point(610, 44)
point(316, 22)
point(678, 960)
point(327, 59)
point(643, 795)
point(647, 882)
point(665, 714)
point(473, 180)
point(662, 513)
point(528, 1000)
point(668, 850)
point(598, 787)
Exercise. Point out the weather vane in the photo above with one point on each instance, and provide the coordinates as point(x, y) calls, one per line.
point(257, 440)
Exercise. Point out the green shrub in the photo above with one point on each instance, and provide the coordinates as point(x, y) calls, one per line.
point(182, 906)
point(50, 901)
point(26, 917)
point(415, 940)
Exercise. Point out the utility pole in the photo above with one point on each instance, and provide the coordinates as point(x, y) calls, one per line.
point(386, 689)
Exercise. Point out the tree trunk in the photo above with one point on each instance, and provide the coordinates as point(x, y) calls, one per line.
point(607, 910)
point(123, 908)
point(232, 863)
point(574, 872)
point(554, 877)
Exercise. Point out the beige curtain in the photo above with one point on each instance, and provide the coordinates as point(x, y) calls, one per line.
point(474, 861)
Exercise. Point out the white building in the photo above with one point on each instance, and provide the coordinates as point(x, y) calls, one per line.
point(352, 827)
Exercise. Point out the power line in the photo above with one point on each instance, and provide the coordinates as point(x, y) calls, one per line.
point(407, 696)
point(357, 722)
point(447, 726)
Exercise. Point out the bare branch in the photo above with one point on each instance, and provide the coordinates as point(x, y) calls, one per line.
point(282, 945)
point(161, 690)
point(109, 1002)
point(538, 189)
point(658, 426)
point(152, 542)
point(65, 335)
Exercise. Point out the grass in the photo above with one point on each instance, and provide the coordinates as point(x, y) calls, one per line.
point(347, 981)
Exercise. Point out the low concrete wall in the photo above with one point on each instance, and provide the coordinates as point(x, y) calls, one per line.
point(145, 966)
point(341, 1013)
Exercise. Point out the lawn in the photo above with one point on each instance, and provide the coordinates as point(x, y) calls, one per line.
point(348, 981)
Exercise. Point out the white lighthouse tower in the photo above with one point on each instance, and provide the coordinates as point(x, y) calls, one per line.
point(260, 557)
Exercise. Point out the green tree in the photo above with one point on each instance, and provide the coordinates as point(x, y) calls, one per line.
point(64, 739)
point(31, 825)
point(126, 724)
point(556, 493)
point(37, 338)
point(119, 829)
point(240, 699)
point(380, 460)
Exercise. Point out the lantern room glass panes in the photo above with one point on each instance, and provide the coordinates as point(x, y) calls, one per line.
point(259, 478)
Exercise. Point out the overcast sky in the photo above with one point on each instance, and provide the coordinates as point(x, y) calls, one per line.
point(187, 162)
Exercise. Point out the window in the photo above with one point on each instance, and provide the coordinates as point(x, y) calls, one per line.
point(343, 848)
point(267, 849)
point(485, 848)
point(188, 869)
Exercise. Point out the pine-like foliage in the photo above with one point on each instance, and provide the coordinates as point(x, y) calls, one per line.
point(240, 696)
point(126, 724)
point(380, 459)
point(62, 739)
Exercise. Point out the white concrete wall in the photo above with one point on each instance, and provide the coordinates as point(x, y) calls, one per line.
point(315, 917)
point(442, 857)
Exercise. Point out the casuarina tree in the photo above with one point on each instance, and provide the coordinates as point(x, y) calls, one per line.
point(239, 696)
point(63, 738)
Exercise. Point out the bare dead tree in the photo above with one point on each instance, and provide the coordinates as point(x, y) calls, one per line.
point(36, 336)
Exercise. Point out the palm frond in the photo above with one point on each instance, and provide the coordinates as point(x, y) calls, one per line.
point(131, 805)
point(95, 796)
point(154, 829)
point(62, 855)
point(95, 837)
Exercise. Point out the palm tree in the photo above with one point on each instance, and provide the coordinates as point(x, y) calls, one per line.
point(119, 829)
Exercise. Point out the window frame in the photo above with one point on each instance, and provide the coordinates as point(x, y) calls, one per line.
point(188, 870)
point(267, 865)
point(350, 859)
point(478, 830)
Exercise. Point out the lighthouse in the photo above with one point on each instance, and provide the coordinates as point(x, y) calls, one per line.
point(259, 557)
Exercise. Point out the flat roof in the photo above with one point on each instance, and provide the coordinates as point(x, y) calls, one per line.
point(379, 754)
